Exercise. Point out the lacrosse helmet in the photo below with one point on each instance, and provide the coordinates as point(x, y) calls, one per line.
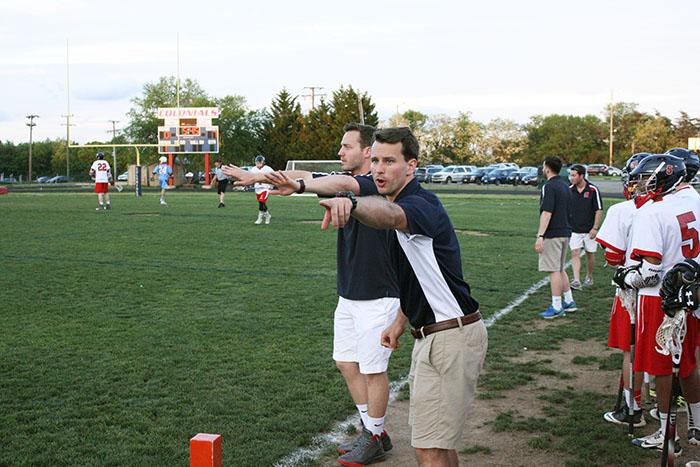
point(259, 158)
point(100, 155)
point(690, 159)
point(630, 165)
point(655, 176)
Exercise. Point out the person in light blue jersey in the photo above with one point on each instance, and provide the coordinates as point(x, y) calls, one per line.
point(164, 172)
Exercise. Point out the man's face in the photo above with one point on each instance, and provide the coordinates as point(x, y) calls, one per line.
point(576, 177)
point(391, 172)
point(351, 154)
point(217, 164)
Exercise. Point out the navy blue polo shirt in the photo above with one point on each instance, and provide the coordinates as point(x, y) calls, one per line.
point(584, 206)
point(365, 271)
point(428, 261)
point(556, 198)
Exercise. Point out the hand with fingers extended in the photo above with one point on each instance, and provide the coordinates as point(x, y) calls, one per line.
point(243, 177)
point(284, 185)
point(337, 212)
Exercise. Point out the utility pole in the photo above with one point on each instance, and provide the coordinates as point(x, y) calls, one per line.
point(31, 126)
point(68, 124)
point(610, 159)
point(313, 94)
point(114, 148)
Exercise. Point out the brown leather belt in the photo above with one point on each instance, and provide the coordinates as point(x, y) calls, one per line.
point(444, 325)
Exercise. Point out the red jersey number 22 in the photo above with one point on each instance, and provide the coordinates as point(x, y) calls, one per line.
point(691, 250)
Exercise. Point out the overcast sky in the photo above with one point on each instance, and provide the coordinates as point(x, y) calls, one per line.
point(510, 59)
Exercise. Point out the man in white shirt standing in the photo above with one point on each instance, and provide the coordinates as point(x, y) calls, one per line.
point(102, 174)
point(262, 190)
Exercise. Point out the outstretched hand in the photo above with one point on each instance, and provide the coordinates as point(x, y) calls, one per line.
point(337, 212)
point(243, 177)
point(284, 186)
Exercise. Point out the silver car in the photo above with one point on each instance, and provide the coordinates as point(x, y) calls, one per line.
point(451, 174)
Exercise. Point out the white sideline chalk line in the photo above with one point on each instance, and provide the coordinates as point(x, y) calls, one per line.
point(339, 432)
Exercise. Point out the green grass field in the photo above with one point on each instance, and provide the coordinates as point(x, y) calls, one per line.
point(124, 333)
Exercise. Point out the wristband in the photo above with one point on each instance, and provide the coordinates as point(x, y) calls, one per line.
point(302, 186)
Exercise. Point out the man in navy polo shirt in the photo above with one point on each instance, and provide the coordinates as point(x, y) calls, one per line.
point(553, 237)
point(451, 338)
point(586, 216)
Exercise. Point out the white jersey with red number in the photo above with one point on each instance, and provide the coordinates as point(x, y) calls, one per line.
point(101, 171)
point(667, 229)
point(614, 233)
point(260, 187)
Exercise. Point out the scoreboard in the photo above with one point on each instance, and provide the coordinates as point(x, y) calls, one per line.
point(188, 139)
point(188, 130)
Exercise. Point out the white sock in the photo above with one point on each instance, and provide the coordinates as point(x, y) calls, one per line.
point(362, 408)
point(568, 296)
point(693, 414)
point(375, 425)
point(556, 303)
point(663, 418)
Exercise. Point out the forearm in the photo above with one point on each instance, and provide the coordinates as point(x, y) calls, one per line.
point(598, 218)
point(332, 184)
point(545, 217)
point(378, 213)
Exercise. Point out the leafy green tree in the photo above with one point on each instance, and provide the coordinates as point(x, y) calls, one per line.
point(685, 127)
point(282, 131)
point(573, 138)
point(240, 130)
point(450, 140)
point(655, 135)
point(318, 139)
point(501, 141)
point(345, 108)
point(626, 120)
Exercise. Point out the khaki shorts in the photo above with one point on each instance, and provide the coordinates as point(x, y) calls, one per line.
point(553, 258)
point(445, 367)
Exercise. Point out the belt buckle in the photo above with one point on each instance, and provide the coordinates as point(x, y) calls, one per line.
point(422, 333)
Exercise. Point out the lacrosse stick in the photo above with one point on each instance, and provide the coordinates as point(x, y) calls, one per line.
point(669, 340)
point(628, 297)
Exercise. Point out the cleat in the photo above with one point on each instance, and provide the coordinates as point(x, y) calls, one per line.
point(576, 285)
point(571, 306)
point(552, 312)
point(163, 203)
point(588, 282)
point(368, 450)
point(656, 441)
point(621, 417)
point(347, 447)
point(98, 209)
point(259, 220)
point(694, 436)
point(108, 207)
point(221, 205)
point(267, 217)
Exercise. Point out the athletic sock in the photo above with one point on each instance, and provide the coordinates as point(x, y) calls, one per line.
point(362, 408)
point(693, 414)
point(663, 418)
point(375, 425)
point(637, 399)
point(556, 303)
point(568, 296)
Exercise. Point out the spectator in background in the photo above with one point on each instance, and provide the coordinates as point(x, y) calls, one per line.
point(586, 216)
point(553, 237)
point(222, 182)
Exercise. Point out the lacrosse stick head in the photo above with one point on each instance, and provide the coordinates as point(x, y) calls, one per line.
point(670, 336)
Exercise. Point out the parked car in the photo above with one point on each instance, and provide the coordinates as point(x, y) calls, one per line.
point(614, 172)
point(497, 176)
point(8, 180)
point(451, 174)
point(58, 179)
point(430, 171)
point(530, 179)
point(43, 179)
point(420, 174)
point(475, 175)
point(504, 165)
point(597, 169)
point(123, 177)
point(517, 176)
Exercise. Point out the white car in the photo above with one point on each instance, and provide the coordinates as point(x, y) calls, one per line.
point(451, 174)
point(614, 172)
point(123, 177)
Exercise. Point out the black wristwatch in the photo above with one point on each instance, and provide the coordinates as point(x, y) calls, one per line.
point(302, 186)
point(349, 195)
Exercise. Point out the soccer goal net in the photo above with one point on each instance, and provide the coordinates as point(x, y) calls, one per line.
point(315, 166)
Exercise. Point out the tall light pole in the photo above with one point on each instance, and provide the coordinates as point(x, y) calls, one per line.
point(114, 148)
point(31, 126)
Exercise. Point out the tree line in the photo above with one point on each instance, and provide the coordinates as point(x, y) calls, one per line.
point(283, 132)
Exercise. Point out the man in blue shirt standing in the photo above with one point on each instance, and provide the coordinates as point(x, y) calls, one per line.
point(553, 238)
point(450, 337)
point(164, 172)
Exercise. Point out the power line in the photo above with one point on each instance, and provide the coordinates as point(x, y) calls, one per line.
point(313, 94)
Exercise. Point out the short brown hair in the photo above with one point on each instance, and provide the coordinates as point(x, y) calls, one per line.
point(554, 163)
point(366, 133)
point(409, 144)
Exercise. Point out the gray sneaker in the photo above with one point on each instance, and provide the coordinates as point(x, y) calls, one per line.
point(367, 451)
point(588, 281)
point(347, 447)
point(576, 285)
point(694, 436)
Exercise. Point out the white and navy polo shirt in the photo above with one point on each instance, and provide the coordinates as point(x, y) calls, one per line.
point(428, 261)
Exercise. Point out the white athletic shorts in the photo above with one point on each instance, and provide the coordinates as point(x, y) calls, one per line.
point(583, 240)
point(357, 332)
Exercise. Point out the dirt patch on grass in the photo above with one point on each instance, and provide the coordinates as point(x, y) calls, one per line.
point(484, 447)
point(311, 222)
point(472, 233)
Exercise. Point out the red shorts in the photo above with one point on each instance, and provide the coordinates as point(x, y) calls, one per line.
point(101, 187)
point(262, 196)
point(619, 335)
point(646, 358)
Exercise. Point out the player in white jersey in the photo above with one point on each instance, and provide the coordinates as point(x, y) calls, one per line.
point(664, 232)
point(262, 190)
point(102, 174)
point(614, 236)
